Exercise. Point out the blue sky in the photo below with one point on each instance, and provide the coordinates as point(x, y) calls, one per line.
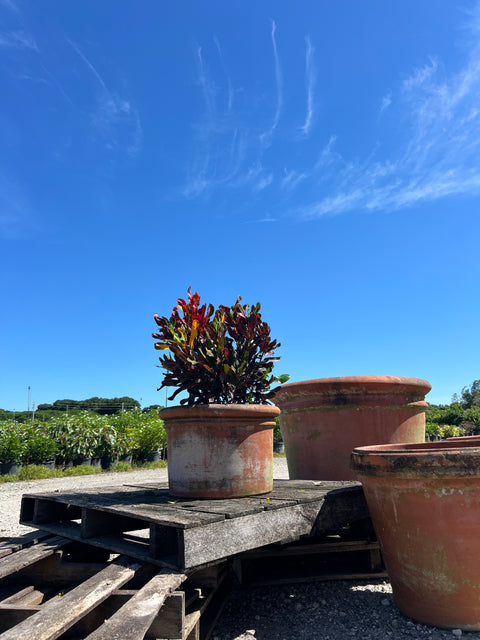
point(321, 158)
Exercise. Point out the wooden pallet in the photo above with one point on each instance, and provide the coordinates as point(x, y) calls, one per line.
point(51, 589)
point(329, 557)
point(144, 522)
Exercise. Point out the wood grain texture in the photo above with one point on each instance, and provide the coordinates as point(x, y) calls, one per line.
point(59, 614)
point(133, 620)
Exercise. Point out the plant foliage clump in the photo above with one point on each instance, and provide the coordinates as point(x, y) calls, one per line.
point(223, 356)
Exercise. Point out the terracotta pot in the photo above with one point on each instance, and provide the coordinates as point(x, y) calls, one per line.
point(424, 500)
point(220, 451)
point(323, 420)
point(464, 439)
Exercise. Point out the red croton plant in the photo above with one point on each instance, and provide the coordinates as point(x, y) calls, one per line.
point(222, 356)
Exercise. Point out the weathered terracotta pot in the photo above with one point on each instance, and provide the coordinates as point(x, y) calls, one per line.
point(220, 451)
point(464, 439)
point(323, 420)
point(424, 500)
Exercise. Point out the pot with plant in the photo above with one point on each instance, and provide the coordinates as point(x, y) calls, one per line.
point(40, 446)
point(12, 447)
point(220, 438)
point(76, 440)
point(150, 440)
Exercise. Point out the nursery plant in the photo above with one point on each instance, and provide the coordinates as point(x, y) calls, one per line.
point(222, 356)
point(221, 444)
point(12, 446)
point(40, 445)
point(77, 437)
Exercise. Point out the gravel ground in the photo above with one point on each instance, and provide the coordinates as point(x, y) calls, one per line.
point(338, 610)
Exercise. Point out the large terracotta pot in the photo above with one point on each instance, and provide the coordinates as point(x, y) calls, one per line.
point(220, 451)
point(323, 420)
point(424, 500)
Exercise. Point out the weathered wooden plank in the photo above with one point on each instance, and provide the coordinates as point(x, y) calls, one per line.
point(27, 596)
point(53, 570)
point(328, 558)
point(135, 548)
point(58, 614)
point(13, 614)
point(238, 507)
point(170, 622)
point(342, 507)
point(21, 542)
point(152, 486)
point(132, 621)
point(192, 626)
point(299, 496)
point(220, 540)
point(319, 547)
point(211, 606)
point(45, 510)
point(208, 577)
point(25, 557)
point(227, 508)
point(328, 485)
point(174, 517)
point(318, 577)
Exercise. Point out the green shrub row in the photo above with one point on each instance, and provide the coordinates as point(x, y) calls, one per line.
point(82, 435)
point(446, 421)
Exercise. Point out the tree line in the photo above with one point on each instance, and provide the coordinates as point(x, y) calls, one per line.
point(101, 406)
point(461, 417)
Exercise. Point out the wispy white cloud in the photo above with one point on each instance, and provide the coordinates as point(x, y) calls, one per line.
point(266, 136)
point(221, 159)
point(227, 76)
point(229, 149)
point(208, 89)
point(438, 157)
point(310, 79)
point(385, 102)
point(114, 118)
point(17, 40)
point(10, 5)
point(435, 154)
point(291, 179)
point(81, 55)
point(260, 220)
point(263, 182)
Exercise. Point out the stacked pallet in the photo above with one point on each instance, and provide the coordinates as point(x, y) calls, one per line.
point(133, 562)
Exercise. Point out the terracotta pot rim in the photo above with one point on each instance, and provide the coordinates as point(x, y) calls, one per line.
point(267, 411)
point(418, 448)
point(350, 383)
point(418, 458)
